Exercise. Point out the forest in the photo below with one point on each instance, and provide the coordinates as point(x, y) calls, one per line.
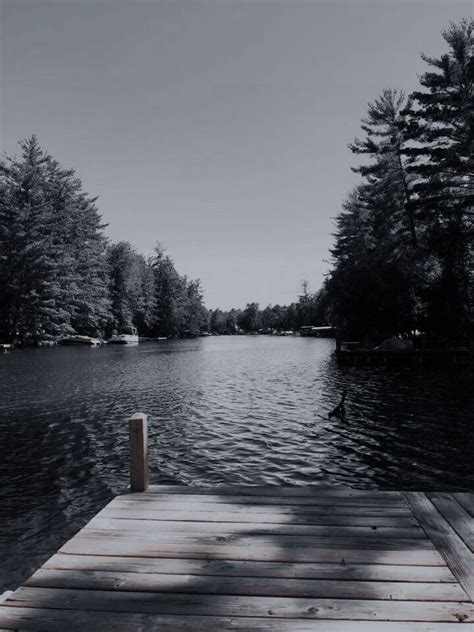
point(60, 274)
point(402, 259)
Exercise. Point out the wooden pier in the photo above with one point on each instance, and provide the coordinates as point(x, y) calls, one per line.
point(462, 358)
point(274, 559)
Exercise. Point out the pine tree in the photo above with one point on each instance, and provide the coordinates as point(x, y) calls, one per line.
point(131, 287)
point(403, 250)
point(367, 291)
point(29, 256)
point(195, 312)
point(52, 269)
point(385, 140)
point(171, 316)
point(441, 163)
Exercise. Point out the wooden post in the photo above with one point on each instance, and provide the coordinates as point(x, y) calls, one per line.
point(138, 432)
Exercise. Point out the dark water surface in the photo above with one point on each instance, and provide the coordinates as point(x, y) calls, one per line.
point(248, 410)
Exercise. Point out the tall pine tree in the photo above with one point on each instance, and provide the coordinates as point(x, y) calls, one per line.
point(52, 265)
point(441, 163)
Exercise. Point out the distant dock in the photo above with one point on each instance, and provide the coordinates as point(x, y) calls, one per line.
point(351, 354)
point(274, 559)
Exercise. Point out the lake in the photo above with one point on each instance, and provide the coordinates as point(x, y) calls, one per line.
point(230, 409)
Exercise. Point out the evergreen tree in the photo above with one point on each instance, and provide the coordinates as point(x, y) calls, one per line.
point(386, 139)
point(178, 304)
point(51, 249)
point(441, 162)
point(403, 248)
point(131, 288)
point(84, 255)
point(196, 313)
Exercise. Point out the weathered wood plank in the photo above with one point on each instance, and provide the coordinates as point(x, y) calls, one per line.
point(466, 499)
point(275, 490)
point(457, 555)
point(246, 539)
point(239, 606)
point(273, 515)
point(459, 519)
point(262, 549)
point(249, 586)
point(180, 504)
point(175, 527)
point(368, 572)
point(51, 620)
point(303, 501)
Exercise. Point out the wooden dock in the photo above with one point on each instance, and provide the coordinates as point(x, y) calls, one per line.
point(436, 358)
point(274, 559)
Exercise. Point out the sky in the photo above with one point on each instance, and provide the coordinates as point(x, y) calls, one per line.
point(219, 128)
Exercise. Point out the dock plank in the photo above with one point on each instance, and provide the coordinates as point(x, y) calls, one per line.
point(272, 515)
point(228, 536)
point(248, 586)
point(255, 528)
point(212, 505)
point(53, 620)
point(279, 549)
point(466, 499)
point(459, 519)
point(457, 555)
point(226, 568)
point(241, 606)
point(310, 491)
point(303, 501)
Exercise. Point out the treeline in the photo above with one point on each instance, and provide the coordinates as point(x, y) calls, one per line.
point(403, 260)
point(308, 310)
point(60, 275)
point(403, 253)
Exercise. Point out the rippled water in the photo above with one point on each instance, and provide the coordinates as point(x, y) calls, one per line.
point(221, 410)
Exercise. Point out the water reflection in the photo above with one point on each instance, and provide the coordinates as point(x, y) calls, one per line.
point(222, 410)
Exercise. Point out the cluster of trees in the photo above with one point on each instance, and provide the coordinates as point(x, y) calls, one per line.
point(308, 310)
point(403, 258)
point(149, 293)
point(60, 275)
point(403, 253)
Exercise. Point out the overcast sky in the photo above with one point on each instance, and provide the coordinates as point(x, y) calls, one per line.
point(218, 127)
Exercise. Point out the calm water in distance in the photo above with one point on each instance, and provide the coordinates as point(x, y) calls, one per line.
point(231, 410)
